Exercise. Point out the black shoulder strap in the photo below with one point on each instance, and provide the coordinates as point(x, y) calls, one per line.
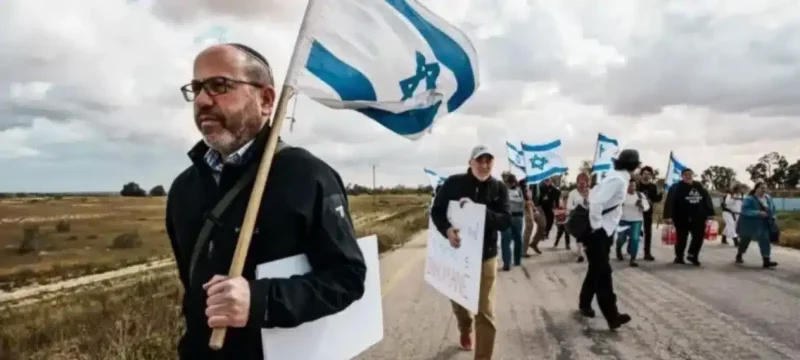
point(222, 205)
point(606, 211)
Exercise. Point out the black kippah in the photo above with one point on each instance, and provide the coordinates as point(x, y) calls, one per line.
point(249, 51)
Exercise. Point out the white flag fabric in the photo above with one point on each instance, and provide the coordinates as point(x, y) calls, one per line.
point(543, 161)
point(674, 169)
point(434, 178)
point(515, 156)
point(394, 61)
point(606, 150)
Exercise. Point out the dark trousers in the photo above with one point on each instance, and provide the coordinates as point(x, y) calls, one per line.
point(561, 231)
point(598, 275)
point(648, 232)
point(548, 214)
point(696, 227)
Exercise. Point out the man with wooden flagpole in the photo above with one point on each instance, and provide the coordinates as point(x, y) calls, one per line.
point(304, 210)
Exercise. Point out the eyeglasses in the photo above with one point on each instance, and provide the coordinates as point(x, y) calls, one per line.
point(213, 86)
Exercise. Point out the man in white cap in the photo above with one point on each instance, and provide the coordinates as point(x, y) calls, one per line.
point(476, 185)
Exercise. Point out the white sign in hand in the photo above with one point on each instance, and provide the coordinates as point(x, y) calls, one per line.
point(341, 336)
point(456, 273)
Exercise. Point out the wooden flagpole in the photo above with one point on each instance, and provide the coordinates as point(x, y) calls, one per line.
point(243, 244)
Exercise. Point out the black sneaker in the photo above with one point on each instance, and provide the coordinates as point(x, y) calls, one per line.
point(587, 312)
point(739, 259)
point(678, 261)
point(633, 263)
point(620, 320)
point(693, 260)
point(648, 257)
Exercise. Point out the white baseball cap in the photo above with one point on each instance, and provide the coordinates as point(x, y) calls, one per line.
point(479, 151)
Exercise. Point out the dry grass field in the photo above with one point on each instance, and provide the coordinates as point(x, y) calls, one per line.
point(136, 319)
point(71, 237)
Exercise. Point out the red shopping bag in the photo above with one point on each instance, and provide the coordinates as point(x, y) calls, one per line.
point(712, 230)
point(668, 236)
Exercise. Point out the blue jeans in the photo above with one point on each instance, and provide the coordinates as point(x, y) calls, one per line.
point(513, 233)
point(633, 232)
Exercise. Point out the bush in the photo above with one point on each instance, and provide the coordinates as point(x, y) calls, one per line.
point(127, 240)
point(63, 226)
point(32, 240)
point(132, 189)
point(158, 190)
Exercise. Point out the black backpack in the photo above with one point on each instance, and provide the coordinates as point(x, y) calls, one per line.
point(577, 223)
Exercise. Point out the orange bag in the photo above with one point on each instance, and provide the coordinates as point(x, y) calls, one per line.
point(668, 235)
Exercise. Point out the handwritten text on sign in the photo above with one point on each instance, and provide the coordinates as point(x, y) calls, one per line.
point(454, 272)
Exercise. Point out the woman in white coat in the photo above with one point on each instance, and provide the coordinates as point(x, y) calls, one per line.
point(579, 197)
point(731, 205)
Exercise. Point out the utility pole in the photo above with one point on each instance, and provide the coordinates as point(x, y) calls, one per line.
point(374, 165)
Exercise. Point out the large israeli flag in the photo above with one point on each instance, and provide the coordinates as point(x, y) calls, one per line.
point(605, 151)
point(392, 60)
point(674, 169)
point(434, 178)
point(515, 156)
point(543, 161)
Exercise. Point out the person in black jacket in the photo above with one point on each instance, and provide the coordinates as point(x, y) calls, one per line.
point(654, 195)
point(688, 206)
point(304, 210)
point(549, 195)
point(476, 185)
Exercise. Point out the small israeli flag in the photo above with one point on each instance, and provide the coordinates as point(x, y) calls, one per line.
point(394, 61)
point(606, 150)
point(434, 178)
point(543, 161)
point(674, 169)
point(515, 156)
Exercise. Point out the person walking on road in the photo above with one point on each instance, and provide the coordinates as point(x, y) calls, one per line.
point(304, 210)
point(477, 186)
point(605, 201)
point(654, 196)
point(542, 198)
point(530, 213)
point(758, 223)
point(561, 217)
point(579, 197)
point(633, 210)
point(513, 235)
point(549, 196)
point(731, 205)
point(688, 207)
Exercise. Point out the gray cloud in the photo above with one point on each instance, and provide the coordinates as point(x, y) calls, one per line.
point(714, 82)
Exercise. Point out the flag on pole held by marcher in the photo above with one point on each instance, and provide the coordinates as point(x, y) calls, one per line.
point(606, 150)
point(674, 169)
point(515, 156)
point(543, 161)
point(394, 61)
point(434, 178)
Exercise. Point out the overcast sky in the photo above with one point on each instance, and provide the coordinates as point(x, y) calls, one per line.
point(89, 89)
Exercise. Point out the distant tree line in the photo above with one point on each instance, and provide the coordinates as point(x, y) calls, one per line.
point(772, 168)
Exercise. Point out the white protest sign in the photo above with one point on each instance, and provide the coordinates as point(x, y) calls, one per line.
point(456, 273)
point(341, 336)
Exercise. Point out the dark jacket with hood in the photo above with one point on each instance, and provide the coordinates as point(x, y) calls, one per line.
point(492, 193)
point(304, 210)
point(688, 202)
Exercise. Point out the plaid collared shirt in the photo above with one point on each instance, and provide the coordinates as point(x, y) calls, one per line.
point(215, 162)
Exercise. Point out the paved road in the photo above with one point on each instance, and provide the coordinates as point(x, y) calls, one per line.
point(719, 311)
